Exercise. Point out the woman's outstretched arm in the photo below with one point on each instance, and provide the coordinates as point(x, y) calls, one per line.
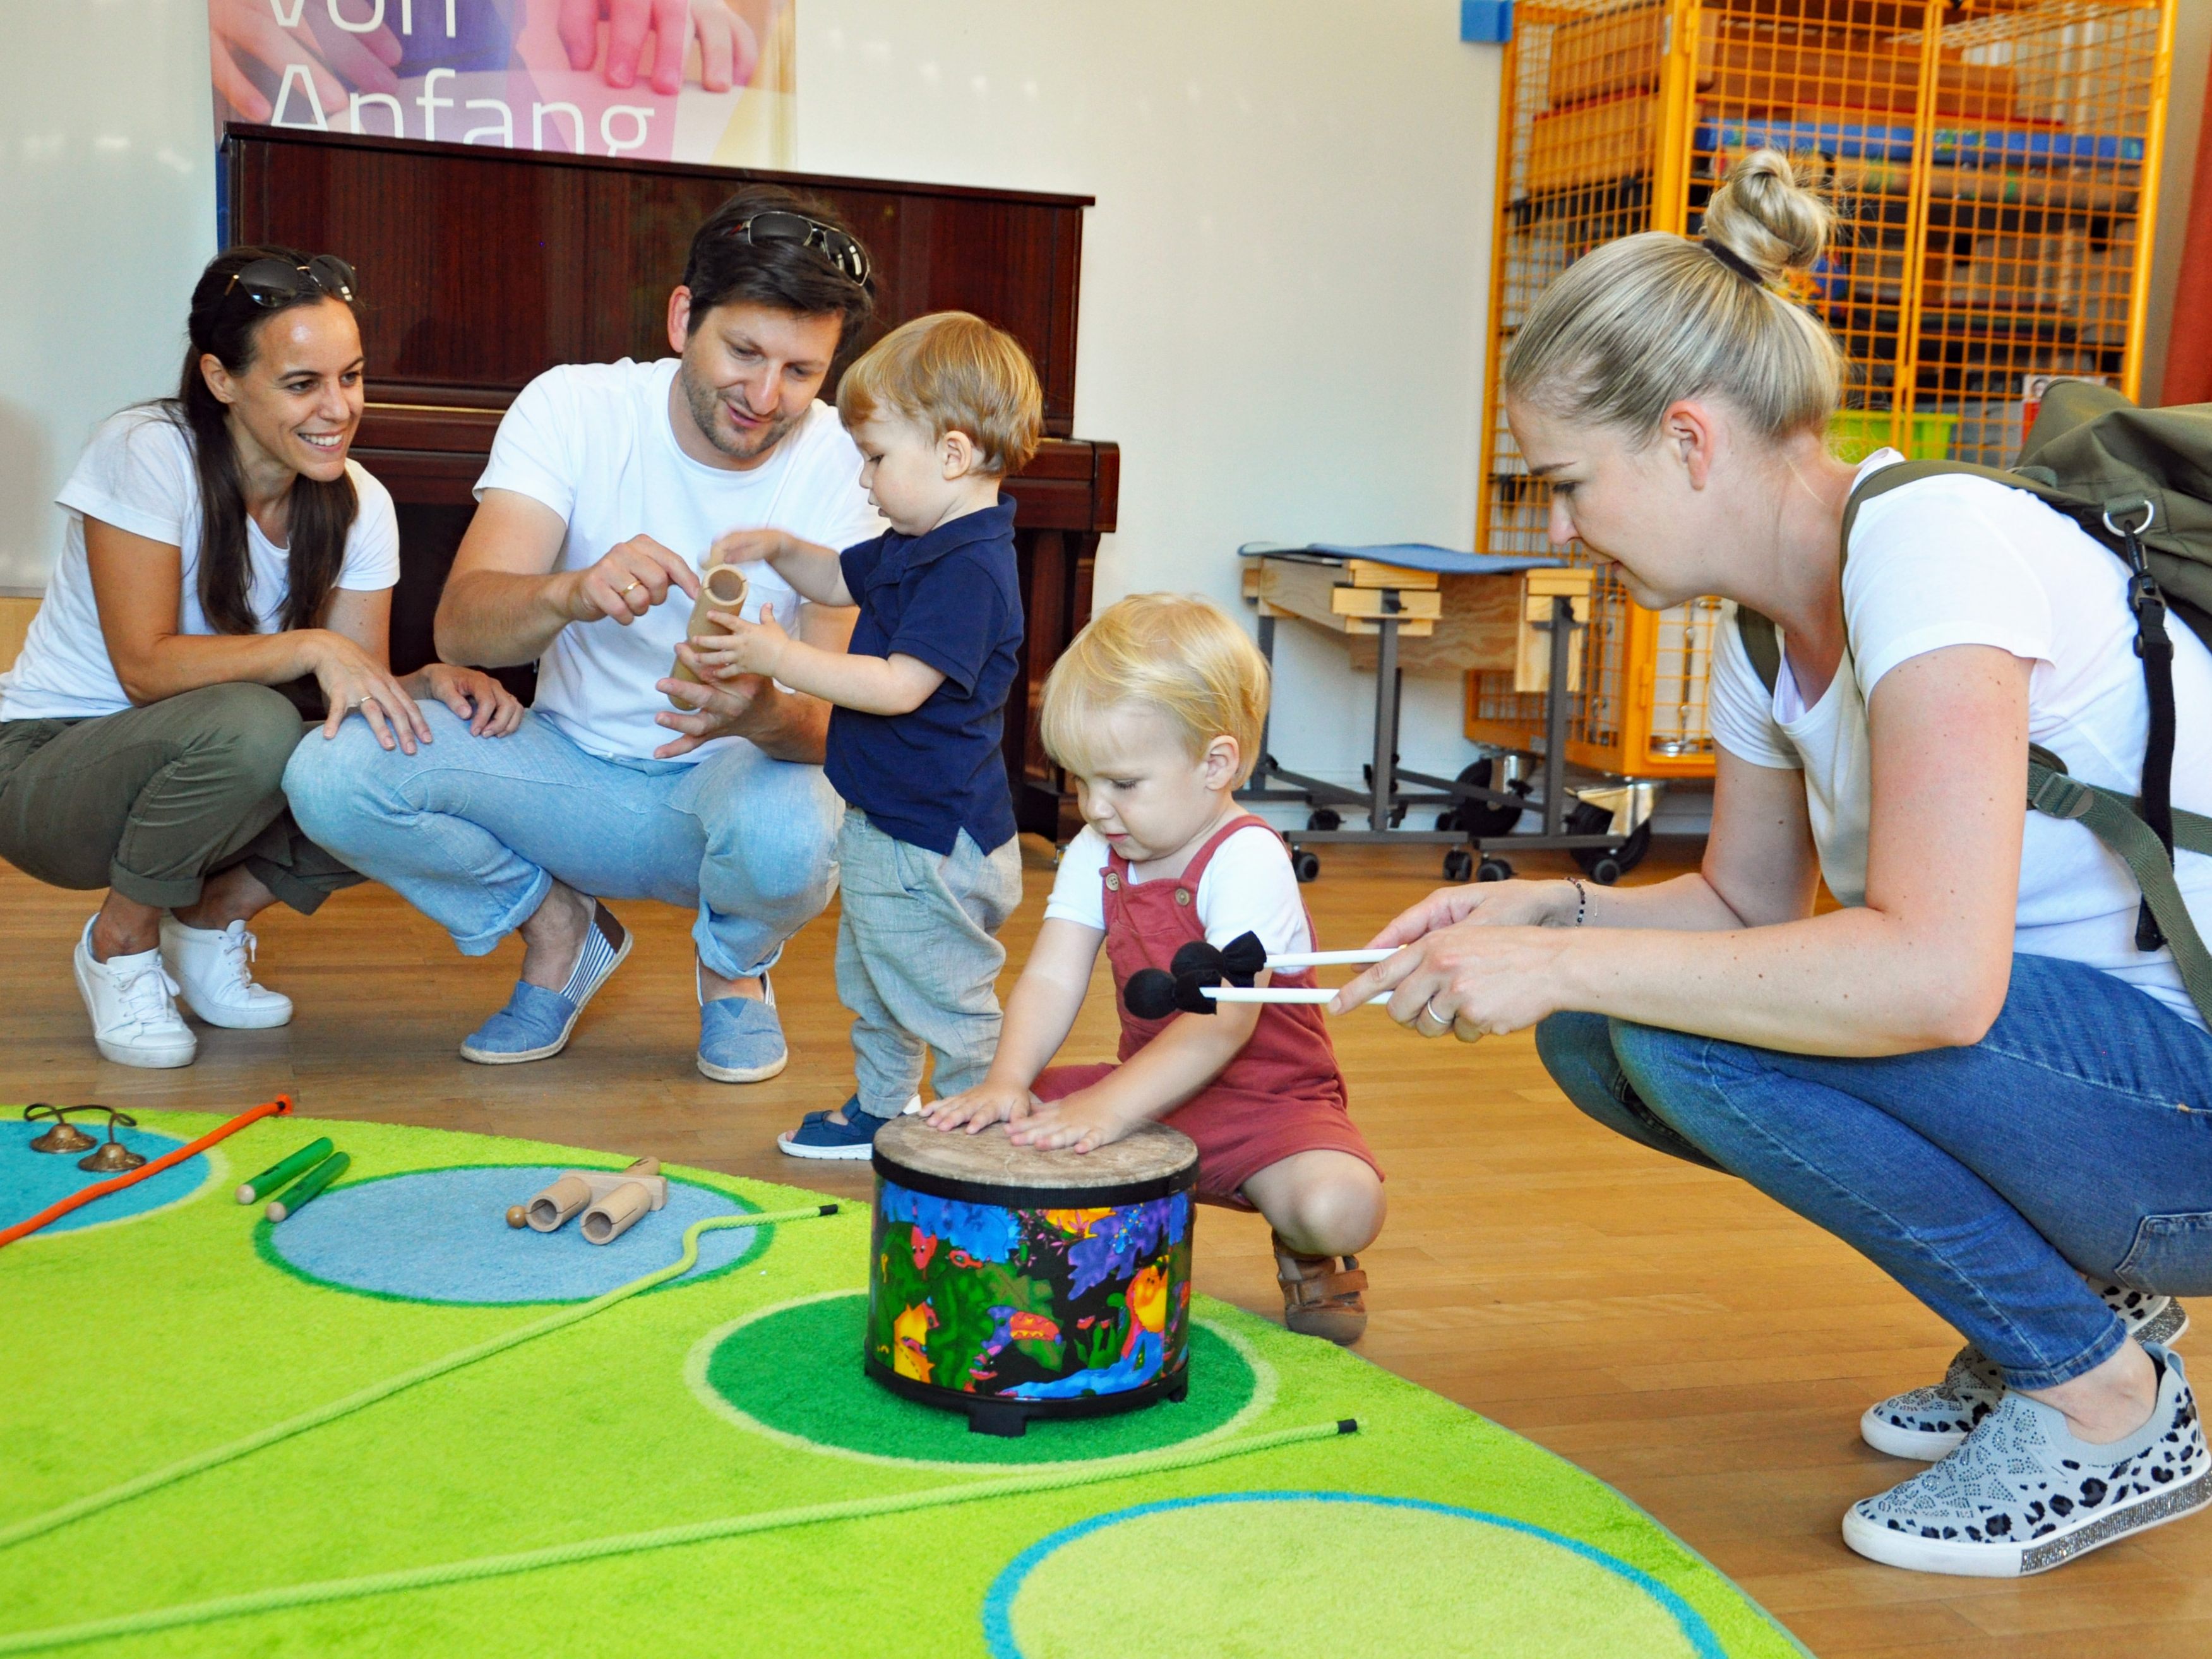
point(1925, 963)
point(1759, 868)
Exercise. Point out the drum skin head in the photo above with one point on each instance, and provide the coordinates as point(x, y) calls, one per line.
point(1149, 1153)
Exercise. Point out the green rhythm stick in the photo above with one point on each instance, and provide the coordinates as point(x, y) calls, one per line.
point(278, 1172)
point(295, 1198)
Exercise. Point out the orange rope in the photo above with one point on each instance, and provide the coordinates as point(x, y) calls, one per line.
point(276, 1108)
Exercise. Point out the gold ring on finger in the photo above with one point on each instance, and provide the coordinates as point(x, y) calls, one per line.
point(634, 585)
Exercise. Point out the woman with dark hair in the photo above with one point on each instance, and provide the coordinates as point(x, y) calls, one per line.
point(220, 546)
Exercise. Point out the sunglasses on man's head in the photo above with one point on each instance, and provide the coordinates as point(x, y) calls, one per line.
point(272, 282)
point(846, 255)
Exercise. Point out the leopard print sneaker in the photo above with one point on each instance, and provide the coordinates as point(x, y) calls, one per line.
point(2022, 1495)
point(1928, 1423)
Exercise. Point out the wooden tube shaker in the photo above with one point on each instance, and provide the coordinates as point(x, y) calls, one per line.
point(559, 1201)
point(722, 588)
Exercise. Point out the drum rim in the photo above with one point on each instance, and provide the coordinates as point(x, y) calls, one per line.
point(1087, 1405)
point(999, 1197)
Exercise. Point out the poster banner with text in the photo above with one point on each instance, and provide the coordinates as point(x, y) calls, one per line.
point(586, 76)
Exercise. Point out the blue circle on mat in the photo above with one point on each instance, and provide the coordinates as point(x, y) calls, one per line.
point(30, 1181)
point(441, 1235)
point(999, 1602)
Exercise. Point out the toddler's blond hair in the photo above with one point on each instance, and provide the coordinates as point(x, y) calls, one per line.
point(953, 372)
point(1177, 653)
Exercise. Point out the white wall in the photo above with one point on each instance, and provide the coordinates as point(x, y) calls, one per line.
point(106, 215)
point(1282, 299)
point(1282, 304)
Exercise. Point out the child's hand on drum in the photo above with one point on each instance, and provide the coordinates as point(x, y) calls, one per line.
point(986, 1103)
point(1082, 1123)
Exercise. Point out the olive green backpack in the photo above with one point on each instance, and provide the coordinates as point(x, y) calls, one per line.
point(2140, 482)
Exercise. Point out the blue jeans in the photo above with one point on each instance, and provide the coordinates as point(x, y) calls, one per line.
point(472, 832)
point(2076, 1137)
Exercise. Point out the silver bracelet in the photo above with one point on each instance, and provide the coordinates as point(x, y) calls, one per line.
point(1581, 899)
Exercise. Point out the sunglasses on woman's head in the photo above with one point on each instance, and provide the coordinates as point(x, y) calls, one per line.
point(842, 250)
point(272, 282)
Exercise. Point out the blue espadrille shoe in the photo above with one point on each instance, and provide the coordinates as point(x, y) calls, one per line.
point(536, 1022)
point(741, 1038)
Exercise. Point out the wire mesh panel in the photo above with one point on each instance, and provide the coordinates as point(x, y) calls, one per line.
point(1992, 163)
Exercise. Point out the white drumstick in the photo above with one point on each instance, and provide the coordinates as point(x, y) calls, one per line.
point(1269, 993)
point(1326, 959)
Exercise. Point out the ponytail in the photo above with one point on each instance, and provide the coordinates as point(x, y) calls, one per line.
point(1634, 325)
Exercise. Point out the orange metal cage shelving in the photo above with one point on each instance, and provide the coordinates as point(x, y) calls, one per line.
point(1994, 165)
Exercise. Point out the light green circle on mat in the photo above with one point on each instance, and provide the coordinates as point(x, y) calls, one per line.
point(792, 1373)
point(1294, 1573)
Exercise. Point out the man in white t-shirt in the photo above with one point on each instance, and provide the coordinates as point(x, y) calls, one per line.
point(608, 485)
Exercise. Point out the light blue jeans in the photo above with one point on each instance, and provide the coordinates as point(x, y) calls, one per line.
point(472, 832)
point(2076, 1137)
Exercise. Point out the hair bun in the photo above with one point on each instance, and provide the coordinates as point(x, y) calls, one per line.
point(1767, 213)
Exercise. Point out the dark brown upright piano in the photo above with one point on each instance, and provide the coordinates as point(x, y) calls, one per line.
point(480, 268)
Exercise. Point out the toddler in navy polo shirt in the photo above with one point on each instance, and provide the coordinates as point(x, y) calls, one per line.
point(942, 409)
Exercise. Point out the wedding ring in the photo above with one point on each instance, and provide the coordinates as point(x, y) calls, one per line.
point(634, 583)
point(1429, 1012)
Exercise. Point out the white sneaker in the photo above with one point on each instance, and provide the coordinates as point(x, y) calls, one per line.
point(134, 1019)
point(214, 971)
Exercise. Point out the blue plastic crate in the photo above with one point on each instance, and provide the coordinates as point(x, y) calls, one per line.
point(1488, 22)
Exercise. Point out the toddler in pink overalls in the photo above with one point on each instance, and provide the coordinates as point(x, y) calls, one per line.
point(1156, 711)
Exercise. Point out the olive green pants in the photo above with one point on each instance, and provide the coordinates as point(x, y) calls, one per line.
point(151, 801)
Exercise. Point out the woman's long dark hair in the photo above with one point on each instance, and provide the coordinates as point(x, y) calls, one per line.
point(225, 325)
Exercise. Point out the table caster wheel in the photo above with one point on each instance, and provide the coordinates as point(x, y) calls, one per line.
point(1458, 864)
point(1305, 866)
point(1324, 818)
point(1623, 858)
point(1604, 870)
point(1493, 870)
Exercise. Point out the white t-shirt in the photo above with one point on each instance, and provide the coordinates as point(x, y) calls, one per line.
point(1249, 887)
point(1962, 561)
point(592, 441)
point(136, 474)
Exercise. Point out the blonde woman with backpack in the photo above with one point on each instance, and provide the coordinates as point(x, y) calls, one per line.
point(1971, 1072)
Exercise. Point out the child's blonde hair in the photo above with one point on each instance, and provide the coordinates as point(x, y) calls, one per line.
point(953, 372)
point(1177, 653)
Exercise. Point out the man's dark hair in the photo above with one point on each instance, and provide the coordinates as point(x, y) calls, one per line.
point(788, 276)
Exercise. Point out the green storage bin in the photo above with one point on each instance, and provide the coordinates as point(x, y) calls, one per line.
point(1856, 434)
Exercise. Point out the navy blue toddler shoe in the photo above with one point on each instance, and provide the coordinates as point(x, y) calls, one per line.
point(820, 1135)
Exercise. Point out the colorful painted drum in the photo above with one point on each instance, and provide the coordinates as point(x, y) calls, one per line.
point(1010, 1283)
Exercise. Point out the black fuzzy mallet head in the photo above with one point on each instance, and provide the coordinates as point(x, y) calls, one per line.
point(1150, 994)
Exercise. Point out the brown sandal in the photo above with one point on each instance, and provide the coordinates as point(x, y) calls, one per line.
point(1320, 1299)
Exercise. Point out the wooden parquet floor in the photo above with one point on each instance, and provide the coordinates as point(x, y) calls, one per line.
point(1665, 1327)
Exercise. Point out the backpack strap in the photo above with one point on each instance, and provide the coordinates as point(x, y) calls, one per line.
point(2154, 645)
point(1762, 641)
point(2142, 832)
point(1898, 474)
point(2115, 820)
